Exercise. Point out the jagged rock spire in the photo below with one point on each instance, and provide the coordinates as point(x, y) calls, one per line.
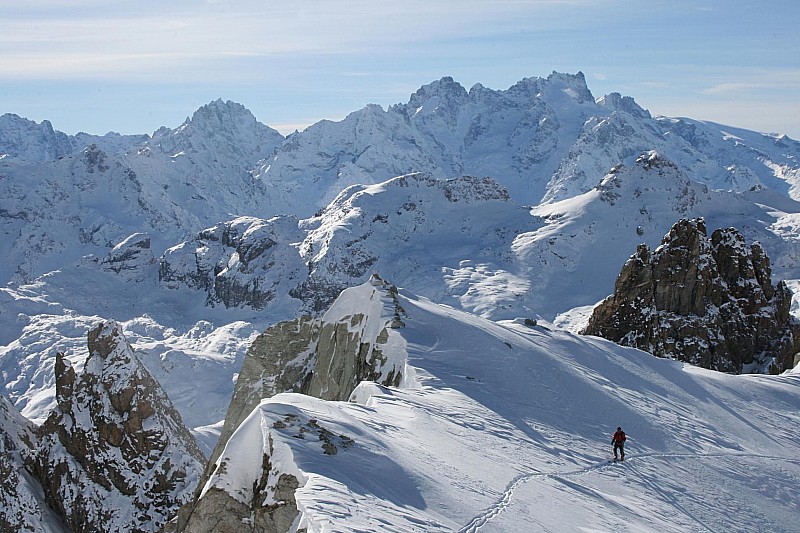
point(706, 301)
point(114, 454)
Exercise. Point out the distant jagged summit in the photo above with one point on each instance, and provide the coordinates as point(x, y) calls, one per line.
point(617, 102)
point(220, 125)
point(706, 301)
point(25, 139)
point(445, 88)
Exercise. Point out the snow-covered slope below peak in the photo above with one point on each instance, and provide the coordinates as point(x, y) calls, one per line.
point(413, 228)
point(709, 153)
point(466, 242)
point(585, 236)
point(508, 429)
point(419, 231)
point(732, 158)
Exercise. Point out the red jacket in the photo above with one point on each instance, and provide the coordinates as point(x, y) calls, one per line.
point(619, 437)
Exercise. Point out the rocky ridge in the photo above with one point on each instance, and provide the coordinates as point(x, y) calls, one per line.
point(395, 228)
point(21, 504)
point(706, 301)
point(326, 358)
point(113, 454)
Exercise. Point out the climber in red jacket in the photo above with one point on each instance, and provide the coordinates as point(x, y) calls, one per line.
point(618, 440)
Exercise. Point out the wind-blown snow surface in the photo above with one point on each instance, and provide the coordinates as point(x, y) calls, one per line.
point(506, 427)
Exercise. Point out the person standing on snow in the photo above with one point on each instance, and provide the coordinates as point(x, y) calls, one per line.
point(618, 440)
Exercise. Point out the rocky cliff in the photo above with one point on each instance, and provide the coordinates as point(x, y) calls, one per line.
point(22, 507)
point(326, 358)
point(706, 301)
point(114, 454)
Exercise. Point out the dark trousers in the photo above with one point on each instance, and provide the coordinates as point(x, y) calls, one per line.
point(621, 446)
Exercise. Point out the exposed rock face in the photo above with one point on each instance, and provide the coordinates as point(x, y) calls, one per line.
point(324, 357)
point(709, 302)
point(22, 507)
point(233, 261)
point(130, 257)
point(114, 455)
point(25, 139)
point(395, 228)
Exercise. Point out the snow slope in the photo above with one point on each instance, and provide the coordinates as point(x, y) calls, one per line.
point(463, 242)
point(506, 427)
point(467, 242)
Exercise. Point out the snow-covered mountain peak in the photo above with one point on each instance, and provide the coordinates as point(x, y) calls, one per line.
point(617, 102)
point(25, 139)
point(572, 85)
point(220, 126)
point(221, 115)
point(554, 87)
point(651, 172)
point(443, 91)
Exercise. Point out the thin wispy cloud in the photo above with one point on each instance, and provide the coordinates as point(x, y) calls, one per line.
point(298, 62)
point(45, 47)
point(761, 80)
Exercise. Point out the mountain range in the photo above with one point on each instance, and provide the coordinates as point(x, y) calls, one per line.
point(503, 206)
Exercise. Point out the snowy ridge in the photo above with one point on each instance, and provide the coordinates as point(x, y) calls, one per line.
point(326, 357)
point(508, 425)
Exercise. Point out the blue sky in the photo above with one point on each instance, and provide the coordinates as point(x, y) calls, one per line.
point(95, 66)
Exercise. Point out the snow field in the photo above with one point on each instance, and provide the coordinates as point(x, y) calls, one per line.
point(508, 429)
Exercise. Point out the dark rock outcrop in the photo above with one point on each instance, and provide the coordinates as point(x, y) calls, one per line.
point(243, 262)
point(114, 454)
point(706, 301)
point(130, 257)
point(323, 357)
point(22, 507)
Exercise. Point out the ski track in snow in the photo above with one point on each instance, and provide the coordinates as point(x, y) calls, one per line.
point(482, 519)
